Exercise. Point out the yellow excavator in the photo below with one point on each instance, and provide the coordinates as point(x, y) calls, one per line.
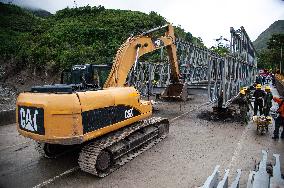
point(111, 124)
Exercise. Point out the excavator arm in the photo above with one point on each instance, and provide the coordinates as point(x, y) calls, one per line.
point(137, 46)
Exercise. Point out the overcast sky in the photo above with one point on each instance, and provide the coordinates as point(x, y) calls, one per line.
point(208, 19)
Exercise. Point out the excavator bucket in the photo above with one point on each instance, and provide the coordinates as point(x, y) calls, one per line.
point(177, 91)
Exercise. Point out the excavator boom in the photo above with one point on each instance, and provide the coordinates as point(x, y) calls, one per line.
point(137, 46)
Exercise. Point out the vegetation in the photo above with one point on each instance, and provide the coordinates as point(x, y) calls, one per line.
point(222, 48)
point(270, 58)
point(268, 45)
point(71, 36)
point(261, 42)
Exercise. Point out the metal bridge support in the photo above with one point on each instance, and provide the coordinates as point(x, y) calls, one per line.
point(276, 180)
point(224, 76)
point(213, 180)
point(258, 178)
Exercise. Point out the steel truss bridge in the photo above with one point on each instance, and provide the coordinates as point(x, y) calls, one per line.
point(199, 67)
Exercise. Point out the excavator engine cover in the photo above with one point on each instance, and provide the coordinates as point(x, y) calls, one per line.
point(176, 91)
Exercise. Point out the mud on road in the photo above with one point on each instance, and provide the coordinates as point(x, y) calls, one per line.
point(184, 159)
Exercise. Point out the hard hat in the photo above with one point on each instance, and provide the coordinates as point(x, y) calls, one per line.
point(242, 92)
point(245, 88)
point(258, 86)
point(267, 88)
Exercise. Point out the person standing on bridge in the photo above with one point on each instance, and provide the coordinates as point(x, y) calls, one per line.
point(258, 79)
point(267, 101)
point(279, 121)
point(258, 101)
point(263, 79)
point(273, 79)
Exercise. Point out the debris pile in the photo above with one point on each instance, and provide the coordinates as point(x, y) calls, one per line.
point(223, 115)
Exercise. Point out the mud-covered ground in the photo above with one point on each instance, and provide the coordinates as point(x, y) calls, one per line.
point(184, 159)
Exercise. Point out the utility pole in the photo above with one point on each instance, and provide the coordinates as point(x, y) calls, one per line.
point(281, 54)
point(281, 59)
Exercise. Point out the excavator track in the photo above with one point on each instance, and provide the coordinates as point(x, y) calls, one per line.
point(107, 154)
point(52, 151)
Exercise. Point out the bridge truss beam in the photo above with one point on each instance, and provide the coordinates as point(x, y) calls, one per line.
point(223, 76)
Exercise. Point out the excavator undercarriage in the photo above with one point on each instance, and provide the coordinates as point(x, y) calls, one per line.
point(104, 155)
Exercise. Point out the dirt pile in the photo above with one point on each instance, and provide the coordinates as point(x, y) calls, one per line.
point(229, 116)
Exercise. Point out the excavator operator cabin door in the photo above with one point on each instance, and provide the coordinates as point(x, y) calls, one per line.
point(100, 74)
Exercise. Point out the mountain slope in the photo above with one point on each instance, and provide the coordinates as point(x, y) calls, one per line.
point(262, 39)
point(71, 36)
point(39, 12)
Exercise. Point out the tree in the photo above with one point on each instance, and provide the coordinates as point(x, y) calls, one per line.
point(271, 58)
point(276, 41)
point(222, 47)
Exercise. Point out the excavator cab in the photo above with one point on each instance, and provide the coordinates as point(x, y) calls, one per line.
point(86, 76)
point(80, 77)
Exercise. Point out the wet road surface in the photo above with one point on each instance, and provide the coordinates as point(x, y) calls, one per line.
point(184, 159)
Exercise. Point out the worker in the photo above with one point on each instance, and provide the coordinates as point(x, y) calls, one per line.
point(244, 106)
point(273, 79)
point(248, 96)
point(268, 78)
point(247, 91)
point(96, 81)
point(279, 121)
point(258, 79)
point(263, 79)
point(267, 101)
point(258, 102)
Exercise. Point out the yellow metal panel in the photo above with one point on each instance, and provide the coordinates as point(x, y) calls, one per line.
point(125, 95)
point(91, 100)
point(62, 112)
point(52, 103)
point(62, 115)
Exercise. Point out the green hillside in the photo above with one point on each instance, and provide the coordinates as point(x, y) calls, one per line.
point(71, 36)
point(261, 42)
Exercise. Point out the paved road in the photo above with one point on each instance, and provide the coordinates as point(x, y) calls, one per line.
point(184, 159)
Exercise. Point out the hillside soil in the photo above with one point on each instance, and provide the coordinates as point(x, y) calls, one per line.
point(14, 81)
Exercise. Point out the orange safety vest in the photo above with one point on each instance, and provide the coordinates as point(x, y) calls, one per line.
point(281, 106)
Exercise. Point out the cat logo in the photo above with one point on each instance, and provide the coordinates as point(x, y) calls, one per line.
point(157, 43)
point(28, 120)
point(128, 113)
